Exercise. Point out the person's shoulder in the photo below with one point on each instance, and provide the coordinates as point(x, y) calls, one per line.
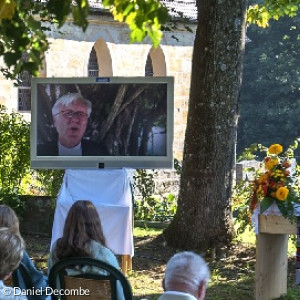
point(175, 295)
point(98, 249)
point(28, 263)
point(36, 275)
point(98, 246)
point(25, 259)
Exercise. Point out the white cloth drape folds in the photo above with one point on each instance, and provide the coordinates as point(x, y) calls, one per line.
point(110, 192)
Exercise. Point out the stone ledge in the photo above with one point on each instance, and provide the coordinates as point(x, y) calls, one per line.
point(150, 224)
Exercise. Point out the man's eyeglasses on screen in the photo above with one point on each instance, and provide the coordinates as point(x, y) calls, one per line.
point(68, 114)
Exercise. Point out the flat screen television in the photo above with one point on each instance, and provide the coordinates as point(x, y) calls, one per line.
point(109, 122)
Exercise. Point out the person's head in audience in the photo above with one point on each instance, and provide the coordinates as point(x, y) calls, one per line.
point(82, 226)
point(9, 219)
point(70, 116)
point(187, 272)
point(11, 251)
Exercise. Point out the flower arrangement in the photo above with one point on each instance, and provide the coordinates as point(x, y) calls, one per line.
point(274, 182)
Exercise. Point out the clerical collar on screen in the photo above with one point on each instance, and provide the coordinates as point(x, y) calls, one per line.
point(64, 151)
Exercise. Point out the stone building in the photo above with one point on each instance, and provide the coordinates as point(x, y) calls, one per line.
point(105, 50)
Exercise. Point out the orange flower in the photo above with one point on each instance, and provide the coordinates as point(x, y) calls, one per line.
point(271, 163)
point(263, 178)
point(275, 149)
point(282, 193)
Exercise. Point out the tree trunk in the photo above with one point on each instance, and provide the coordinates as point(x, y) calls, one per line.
point(203, 218)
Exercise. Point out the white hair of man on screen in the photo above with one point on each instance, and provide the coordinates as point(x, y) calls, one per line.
point(70, 98)
point(187, 272)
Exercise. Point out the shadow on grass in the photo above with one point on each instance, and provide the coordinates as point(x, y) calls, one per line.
point(232, 276)
point(237, 289)
point(240, 290)
point(151, 253)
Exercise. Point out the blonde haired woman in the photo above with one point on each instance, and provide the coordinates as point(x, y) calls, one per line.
point(9, 219)
point(11, 246)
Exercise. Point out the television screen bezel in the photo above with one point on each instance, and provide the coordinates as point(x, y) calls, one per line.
point(99, 162)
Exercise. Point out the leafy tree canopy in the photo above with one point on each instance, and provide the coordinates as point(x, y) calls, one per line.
point(260, 13)
point(23, 24)
point(270, 93)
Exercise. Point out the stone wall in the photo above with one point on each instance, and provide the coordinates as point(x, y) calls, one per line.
point(165, 182)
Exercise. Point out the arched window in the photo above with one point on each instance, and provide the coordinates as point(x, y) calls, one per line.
point(155, 63)
point(24, 91)
point(93, 68)
point(149, 67)
point(100, 63)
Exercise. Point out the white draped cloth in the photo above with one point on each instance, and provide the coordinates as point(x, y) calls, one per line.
point(110, 192)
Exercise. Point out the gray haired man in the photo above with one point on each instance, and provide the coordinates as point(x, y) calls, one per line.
point(186, 277)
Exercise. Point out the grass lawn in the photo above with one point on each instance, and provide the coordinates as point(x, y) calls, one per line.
point(232, 273)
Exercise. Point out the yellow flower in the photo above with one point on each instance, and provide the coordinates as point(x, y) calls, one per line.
point(263, 178)
point(282, 193)
point(7, 9)
point(275, 149)
point(271, 163)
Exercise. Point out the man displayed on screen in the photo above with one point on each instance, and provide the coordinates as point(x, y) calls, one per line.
point(70, 115)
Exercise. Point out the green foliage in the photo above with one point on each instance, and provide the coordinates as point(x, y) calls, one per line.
point(240, 199)
point(14, 155)
point(144, 17)
point(261, 13)
point(23, 30)
point(149, 206)
point(270, 93)
point(156, 208)
point(177, 166)
point(166, 209)
point(59, 10)
point(250, 153)
point(144, 184)
point(243, 190)
point(21, 33)
point(24, 23)
point(51, 181)
point(42, 182)
point(16, 177)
